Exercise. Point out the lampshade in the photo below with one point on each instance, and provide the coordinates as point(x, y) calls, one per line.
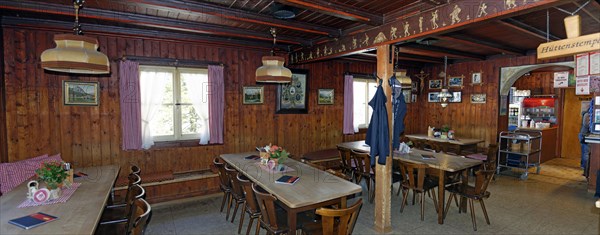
point(273, 71)
point(75, 54)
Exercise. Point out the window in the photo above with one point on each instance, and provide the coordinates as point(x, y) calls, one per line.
point(364, 90)
point(174, 103)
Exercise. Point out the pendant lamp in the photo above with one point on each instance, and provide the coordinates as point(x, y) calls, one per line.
point(445, 94)
point(75, 53)
point(272, 70)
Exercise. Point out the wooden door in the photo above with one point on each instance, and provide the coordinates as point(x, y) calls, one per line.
point(571, 121)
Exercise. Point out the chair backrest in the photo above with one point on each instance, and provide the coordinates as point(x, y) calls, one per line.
point(266, 202)
point(134, 192)
point(236, 187)
point(222, 173)
point(345, 157)
point(490, 163)
point(139, 219)
point(363, 163)
point(135, 170)
point(409, 178)
point(482, 180)
point(437, 146)
point(133, 179)
point(346, 217)
point(250, 196)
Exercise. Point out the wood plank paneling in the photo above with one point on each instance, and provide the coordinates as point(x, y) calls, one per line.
point(3, 135)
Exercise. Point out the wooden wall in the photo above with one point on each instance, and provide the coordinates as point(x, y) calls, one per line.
point(38, 122)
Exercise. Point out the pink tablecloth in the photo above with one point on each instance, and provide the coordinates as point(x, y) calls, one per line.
point(66, 194)
point(265, 168)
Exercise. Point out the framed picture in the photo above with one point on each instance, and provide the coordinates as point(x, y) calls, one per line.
point(325, 96)
point(476, 78)
point(407, 95)
point(435, 84)
point(478, 98)
point(253, 95)
point(413, 98)
point(456, 81)
point(293, 97)
point(80, 93)
point(433, 97)
point(456, 97)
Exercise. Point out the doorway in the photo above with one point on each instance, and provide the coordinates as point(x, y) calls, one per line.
point(573, 106)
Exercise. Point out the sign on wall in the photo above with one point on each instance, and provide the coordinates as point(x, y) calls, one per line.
point(582, 85)
point(561, 79)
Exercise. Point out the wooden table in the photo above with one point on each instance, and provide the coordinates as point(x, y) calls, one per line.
point(443, 162)
point(316, 188)
point(79, 215)
point(461, 143)
point(325, 155)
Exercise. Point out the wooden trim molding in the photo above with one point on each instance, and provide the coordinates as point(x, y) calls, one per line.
point(3, 133)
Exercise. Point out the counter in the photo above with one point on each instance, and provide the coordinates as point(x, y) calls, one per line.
point(549, 137)
point(594, 162)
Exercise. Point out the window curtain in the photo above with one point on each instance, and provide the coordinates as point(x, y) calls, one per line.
point(200, 103)
point(152, 92)
point(129, 93)
point(349, 126)
point(216, 103)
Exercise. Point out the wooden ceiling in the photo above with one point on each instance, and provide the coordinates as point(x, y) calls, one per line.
point(247, 23)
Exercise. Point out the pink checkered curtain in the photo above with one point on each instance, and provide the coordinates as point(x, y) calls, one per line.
point(349, 127)
point(129, 92)
point(216, 103)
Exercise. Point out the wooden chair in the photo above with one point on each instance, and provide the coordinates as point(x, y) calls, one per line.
point(417, 183)
point(237, 193)
point(225, 184)
point(364, 170)
point(477, 192)
point(138, 220)
point(335, 221)
point(331, 171)
point(490, 163)
point(133, 179)
point(133, 170)
point(268, 218)
point(120, 214)
point(250, 206)
point(348, 166)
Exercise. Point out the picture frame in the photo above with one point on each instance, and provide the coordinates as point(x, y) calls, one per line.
point(407, 93)
point(476, 78)
point(81, 93)
point(433, 97)
point(325, 96)
point(253, 95)
point(435, 84)
point(456, 97)
point(455, 81)
point(480, 98)
point(292, 98)
point(413, 98)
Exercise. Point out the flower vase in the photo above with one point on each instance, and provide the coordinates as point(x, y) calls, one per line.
point(444, 135)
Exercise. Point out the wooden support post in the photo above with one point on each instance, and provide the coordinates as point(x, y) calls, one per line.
point(383, 173)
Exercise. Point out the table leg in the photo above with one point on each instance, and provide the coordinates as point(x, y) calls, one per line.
point(343, 203)
point(441, 191)
point(292, 221)
point(465, 183)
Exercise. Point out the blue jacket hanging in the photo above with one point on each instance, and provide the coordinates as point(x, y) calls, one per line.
point(378, 133)
point(399, 106)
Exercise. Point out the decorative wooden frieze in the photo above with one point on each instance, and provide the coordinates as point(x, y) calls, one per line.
point(435, 21)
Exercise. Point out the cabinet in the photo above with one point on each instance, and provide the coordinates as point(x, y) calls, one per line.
point(519, 150)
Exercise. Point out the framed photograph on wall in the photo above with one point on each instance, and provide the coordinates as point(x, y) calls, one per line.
point(433, 97)
point(253, 95)
point(435, 84)
point(407, 95)
point(478, 98)
point(456, 97)
point(455, 81)
point(325, 96)
point(476, 78)
point(293, 97)
point(80, 93)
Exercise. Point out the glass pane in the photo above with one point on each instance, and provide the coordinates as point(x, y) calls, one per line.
point(360, 90)
point(193, 87)
point(190, 123)
point(168, 92)
point(372, 89)
point(162, 123)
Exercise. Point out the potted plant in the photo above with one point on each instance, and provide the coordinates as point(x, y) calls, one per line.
point(445, 130)
point(278, 154)
point(53, 175)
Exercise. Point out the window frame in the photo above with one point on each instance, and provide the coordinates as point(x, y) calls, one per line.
point(368, 82)
point(176, 101)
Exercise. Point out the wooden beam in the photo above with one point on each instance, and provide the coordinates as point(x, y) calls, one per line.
point(196, 8)
point(527, 29)
point(146, 21)
point(336, 10)
point(474, 42)
point(437, 21)
point(426, 59)
point(442, 50)
point(590, 14)
point(383, 173)
point(122, 31)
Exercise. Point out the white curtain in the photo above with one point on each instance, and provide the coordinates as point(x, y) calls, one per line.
point(152, 91)
point(199, 96)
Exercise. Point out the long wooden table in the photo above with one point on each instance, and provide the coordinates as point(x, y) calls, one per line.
point(79, 215)
point(460, 143)
point(443, 162)
point(316, 188)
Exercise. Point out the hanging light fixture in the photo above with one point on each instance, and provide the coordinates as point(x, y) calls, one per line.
point(75, 53)
point(272, 70)
point(445, 94)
